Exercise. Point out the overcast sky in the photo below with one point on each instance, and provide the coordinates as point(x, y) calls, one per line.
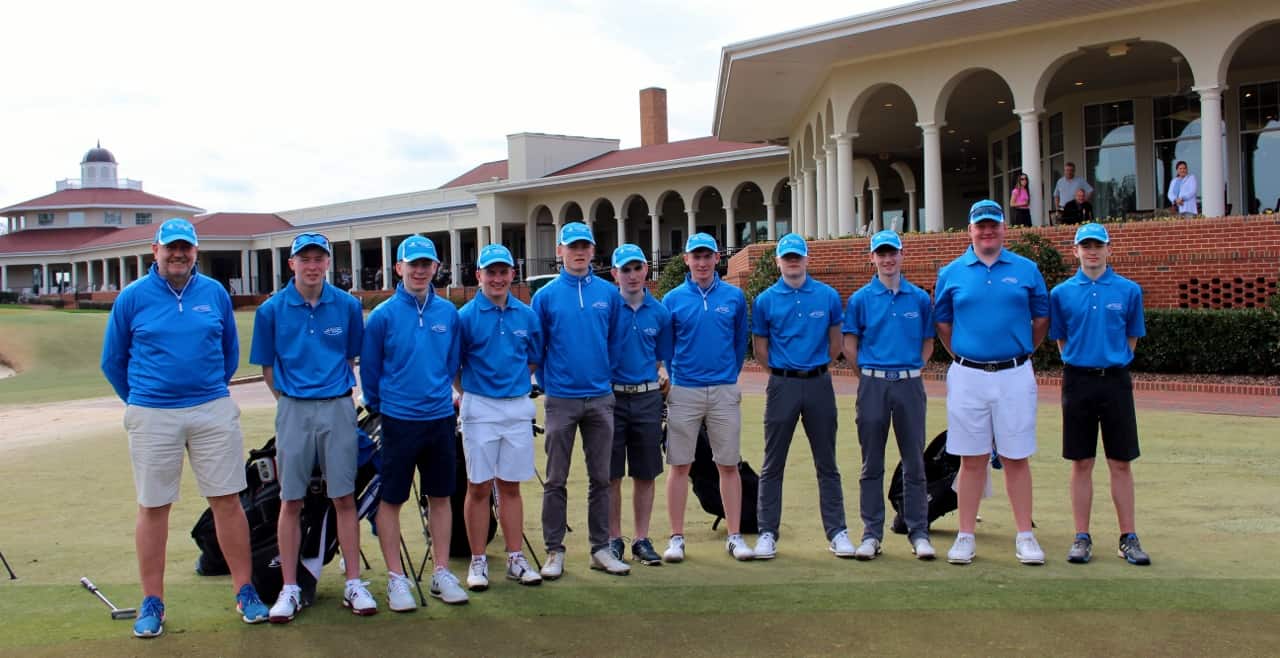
point(269, 106)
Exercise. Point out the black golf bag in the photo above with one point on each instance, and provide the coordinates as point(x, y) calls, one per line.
point(458, 544)
point(940, 469)
point(706, 485)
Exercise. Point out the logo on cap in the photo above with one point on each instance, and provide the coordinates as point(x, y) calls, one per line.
point(494, 253)
point(416, 247)
point(627, 253)
point(700, 241)
point(984, 210)
point(792, 244)
point(305, 240)
point(576, 232)
point(176, 229)
point(886, 238)
point(1092, 231)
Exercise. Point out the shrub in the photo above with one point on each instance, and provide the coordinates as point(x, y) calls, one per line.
point(372, 300)
point(1214, 342)
point(1040, 251)
point(763, 275)
point(89, 305)
point(672, 275)
point(7, 297)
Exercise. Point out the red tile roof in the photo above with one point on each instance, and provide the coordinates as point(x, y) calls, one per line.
point(236, 224)
point(98, 197)
point(51, 239)
point(214, 225)
point(657, 153)
point(481, 174)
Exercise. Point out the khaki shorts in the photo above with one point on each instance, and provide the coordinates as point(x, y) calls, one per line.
point(720, 407)
point(209, 432)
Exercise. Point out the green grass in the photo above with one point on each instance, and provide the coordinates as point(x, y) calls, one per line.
point(1206, 512)
point(57, 354)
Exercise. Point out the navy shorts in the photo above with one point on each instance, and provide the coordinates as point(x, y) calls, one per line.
point(637, 435)
point(1093, 400)
point(427, 445)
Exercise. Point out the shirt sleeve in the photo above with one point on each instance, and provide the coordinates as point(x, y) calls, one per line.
point(371, 353)
point(1057, 321)
point(454, 359)
point(740, 330)
point(535, 339)
point(943, 311)
point(926, 315)
point(664, 347)
point(1136, 325)
point(230, 339)
point(262, 351)
point(834, 312)
point(760, 315)
point(355, 330)
point(115, 346)
point(1039, 297)
point(850, 324)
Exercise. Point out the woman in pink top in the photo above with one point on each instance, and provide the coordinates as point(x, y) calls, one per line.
point(1020, 202)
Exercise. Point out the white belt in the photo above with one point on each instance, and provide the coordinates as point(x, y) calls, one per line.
point(636, 388)
point(891, 375)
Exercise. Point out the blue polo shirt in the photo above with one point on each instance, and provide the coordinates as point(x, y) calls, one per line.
point(641, 339)
point(309, 348)
point(498, 344)
point(1096, 319)
point(891, 326)
point(797, 322)
point(577, 313)
point(710, 332)
point(410, 356)
point(990, 308)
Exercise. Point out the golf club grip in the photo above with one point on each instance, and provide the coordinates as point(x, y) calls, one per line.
point(88, 584)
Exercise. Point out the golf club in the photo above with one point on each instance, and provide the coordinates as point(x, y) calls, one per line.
point(116, 613)
point(8, 568)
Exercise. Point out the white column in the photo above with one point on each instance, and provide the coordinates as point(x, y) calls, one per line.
point(1030, 120)
point(1213, 178)
point(912, 211)
point(810, 205)
point(877, 216)
point(621, 222)
point(844, 183)
point(771, 222)
point(934, 217)
point(139, 263)
point(124, 279)
point(482, 238)
point(106, 274)
point(820, 197)
point(655, 242)
point(89, 278)
point(275, 269)
point(692, 225)
point(831, 223)
point(4, 272)
point(245, 288)
point(357, 264)
point(730, 229)
point(455, 256)
point(388, 258)
point(75, 277)
point(531, 254)
point(796, 215)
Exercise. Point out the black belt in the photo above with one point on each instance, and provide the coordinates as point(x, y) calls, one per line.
point(336, 397)
point(799, 374)
point(1112, 371)
point(992, 366)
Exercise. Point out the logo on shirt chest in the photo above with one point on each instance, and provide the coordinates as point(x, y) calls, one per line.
point(817, 314)
point(724, 310)
point(911, 315)
point(202, 308)
point(522, 333)
point(333, 331)
point(600, 305)
point(650, 331)
point(1011, 280)
point(439, 328)
point(1115, 306)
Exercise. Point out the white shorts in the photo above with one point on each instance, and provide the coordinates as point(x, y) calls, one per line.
point(209, 432)
point(991, 409)
point(497, 438)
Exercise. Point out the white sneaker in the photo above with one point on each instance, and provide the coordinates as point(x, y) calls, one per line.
point(357, 597)
point(444, 586)
point(554, 566)
point(738, 548)
point(842, 546)
point(962, 551)
point(478, 574)
point(604, 560)
point(675, 549)
point(1028, 550)
point(287, 605)
point(923, 549)
point(766, 546)
point(518, 569)
point(400, 593)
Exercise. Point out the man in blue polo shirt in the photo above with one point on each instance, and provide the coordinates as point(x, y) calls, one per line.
point(991, 310)
point(641, 346)
point(888, 335)
point(169, 350)
point(1096, 319)
point(501, 345)
point(408, 362)
point(709, 323)
point(306, 339)
point(795, 326)
point(577, 311)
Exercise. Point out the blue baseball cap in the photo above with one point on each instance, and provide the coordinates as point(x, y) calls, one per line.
point(792, 244)
point(886, 238)
point(575, 232)
point(305, 240)
point(493, 254)
point(1092, 231)
point(984, 210)
point(176, 229)
point(628, 253)
point(416, 247)
point(700, 241)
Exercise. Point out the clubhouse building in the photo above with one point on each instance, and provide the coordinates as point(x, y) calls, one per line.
point(899, 118)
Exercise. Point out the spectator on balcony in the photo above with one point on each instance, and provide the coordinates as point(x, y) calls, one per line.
point(1065, 189)
point(1078, 210)
point(1182, 192)
point(1020, 202)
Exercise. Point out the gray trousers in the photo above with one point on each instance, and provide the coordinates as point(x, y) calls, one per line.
point(813, 402)
point(564, 417)
point(902, 403)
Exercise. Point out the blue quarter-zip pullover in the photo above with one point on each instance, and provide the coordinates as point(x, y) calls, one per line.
point(710, 329)
point(410, 356)
point(577, 316)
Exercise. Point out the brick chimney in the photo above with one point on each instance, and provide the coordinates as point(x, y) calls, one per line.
point(653, 116)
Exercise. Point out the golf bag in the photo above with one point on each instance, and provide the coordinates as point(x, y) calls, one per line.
point(706, 485)
point(940, 469)
point(458, 544)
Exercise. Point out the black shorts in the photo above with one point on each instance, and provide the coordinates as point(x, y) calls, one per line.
point(637, 435)
point(1091, 400)
point(427, 445)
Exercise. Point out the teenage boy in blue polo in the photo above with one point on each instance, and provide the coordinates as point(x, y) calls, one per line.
point(641, 345)
point(170, 349)
point(888, 335)
point(709, 323)
point(1097, 319)
point(407, 365)
point(991, 310)
point(501, 344)
point(577, 311)
point(306, 339)
point(795, 326)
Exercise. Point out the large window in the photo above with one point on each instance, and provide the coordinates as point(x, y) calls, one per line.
point(111, 217)
point(1260, 144)
point(44, 218)
point(1110, 158)
point(141, 218)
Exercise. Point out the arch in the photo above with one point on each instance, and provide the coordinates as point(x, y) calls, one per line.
point(666, 198)
point(1229, 54)
point(737, 191)
point(806, 149)
point(776, 190)
point(599, 205)
point(863, 99)
point(819, 137)
point(904, 172)
point(831, 121)
point(945, 92)
point(865, 174)
point(541, 214)
point(630, 199)
point(571, 211)
point(701, 194)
